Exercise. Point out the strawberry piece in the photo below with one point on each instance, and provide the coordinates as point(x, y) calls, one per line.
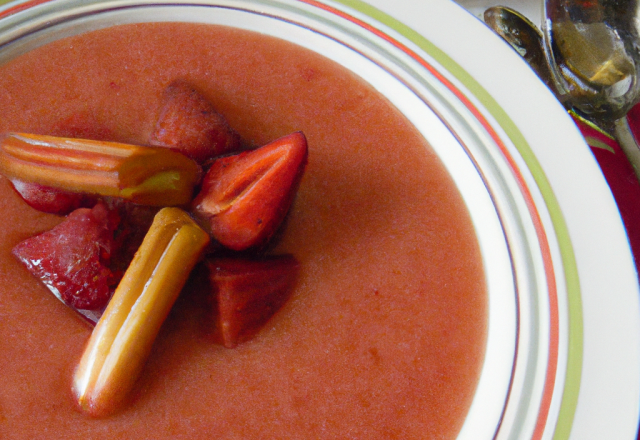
point(73, 258)
point(244, 198)
point(135, 221)
point(51, 200)
point(190, 124)
point(248, 293)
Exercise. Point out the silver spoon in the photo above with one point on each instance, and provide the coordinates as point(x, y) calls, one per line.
point(593, 50)
point(527, 40)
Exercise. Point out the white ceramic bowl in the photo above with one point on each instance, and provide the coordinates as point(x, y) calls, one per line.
point(562, 355)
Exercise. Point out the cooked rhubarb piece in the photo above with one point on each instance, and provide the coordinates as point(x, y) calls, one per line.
point(144, 175)
point(122, 339)
point(189, 123)
point(73, 258)
point(248, 293)
point(51, 200)
point(244, 198)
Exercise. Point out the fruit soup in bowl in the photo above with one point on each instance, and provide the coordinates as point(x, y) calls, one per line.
point(251, 220)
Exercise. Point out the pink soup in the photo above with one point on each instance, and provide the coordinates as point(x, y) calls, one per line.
point(384, 334)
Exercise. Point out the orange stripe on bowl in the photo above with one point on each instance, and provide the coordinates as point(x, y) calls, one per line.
point(552, 363)
point(21, 7)
point(546, 253)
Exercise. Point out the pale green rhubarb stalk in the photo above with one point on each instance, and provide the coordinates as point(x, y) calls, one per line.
point(146, 175)
point(123, 337)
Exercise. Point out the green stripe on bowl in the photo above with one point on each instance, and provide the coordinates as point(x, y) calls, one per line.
point(575, 349)
point(574, 366)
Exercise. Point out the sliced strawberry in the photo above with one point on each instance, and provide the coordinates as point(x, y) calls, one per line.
point(73, 258)
point(51, 200)
point(245, 198)
point(135, 221)
point(189, 123)
point(248, 293)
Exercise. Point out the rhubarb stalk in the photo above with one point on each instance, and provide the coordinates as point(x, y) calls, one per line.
point(122, 339)
point(144, 175)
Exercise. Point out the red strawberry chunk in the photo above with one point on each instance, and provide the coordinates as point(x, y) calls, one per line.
point(190, 124)
point(73, 258)
point(135, 221)
point(51, 200)
point(245, 198)
point(248, 293)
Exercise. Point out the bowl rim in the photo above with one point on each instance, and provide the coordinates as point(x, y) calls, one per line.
point(558, 278)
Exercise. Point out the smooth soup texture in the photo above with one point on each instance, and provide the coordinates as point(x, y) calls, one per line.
point(384, 335)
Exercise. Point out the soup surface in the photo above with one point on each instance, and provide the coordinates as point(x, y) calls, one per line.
point(384, 335)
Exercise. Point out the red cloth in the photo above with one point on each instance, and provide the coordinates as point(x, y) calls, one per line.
point(621, 177)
